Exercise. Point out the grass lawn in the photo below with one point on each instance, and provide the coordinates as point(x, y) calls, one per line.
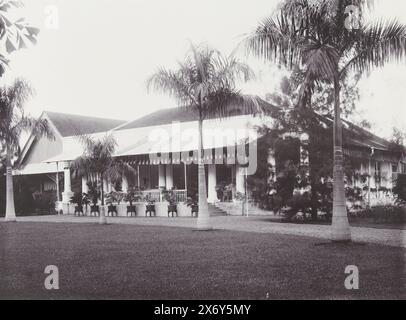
point(138, 262)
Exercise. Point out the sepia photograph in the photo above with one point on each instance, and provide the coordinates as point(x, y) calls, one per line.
point(204, 157)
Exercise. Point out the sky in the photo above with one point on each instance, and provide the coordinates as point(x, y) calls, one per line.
point(93, 57)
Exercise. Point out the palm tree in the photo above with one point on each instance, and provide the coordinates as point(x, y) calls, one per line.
point(97, 161)
point(328, 42)
point(13, 123)
point(206, 81)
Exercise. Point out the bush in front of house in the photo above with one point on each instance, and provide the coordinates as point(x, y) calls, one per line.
point(388, 214)
point(400, 189)
point(297, 204)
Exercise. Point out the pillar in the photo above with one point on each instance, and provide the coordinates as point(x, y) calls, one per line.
point(67, 191)
point(240, 179)
point(161, 175)
point(169, 176)
point(85, 188)
point(272, 162)
point(105, 186)
point(212, 182)
point(124, 184)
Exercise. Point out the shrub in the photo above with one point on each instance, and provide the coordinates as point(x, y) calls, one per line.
point(93, 193)
point(400, 189)
point(297, 203)
point(388, 214)
point(77, 199)
point(133, 195)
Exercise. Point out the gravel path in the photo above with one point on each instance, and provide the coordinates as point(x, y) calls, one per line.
point(391, 237)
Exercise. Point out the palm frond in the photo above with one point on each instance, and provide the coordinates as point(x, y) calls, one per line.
point(172, 83)
point(378, 44)
point(227, 103)
point(37, 127)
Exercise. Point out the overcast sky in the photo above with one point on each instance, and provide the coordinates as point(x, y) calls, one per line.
point(98, 58)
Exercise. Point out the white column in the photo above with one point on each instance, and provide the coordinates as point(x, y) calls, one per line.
point(169, 176)
point(110, 185)
point(124, 184)
point(67, 191)
point(240, 180)
point(85, 188)
point(105, 186)
point(212, 181)
point(272, 162)
point(304, 155)
point(161, 175)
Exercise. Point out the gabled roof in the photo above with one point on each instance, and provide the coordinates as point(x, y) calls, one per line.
point(72, 125)
point(179, 114)
point(354, 135)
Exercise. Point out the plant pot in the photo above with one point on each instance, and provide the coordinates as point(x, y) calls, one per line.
point(112, 210)
point(131, 210)
point(172, 210)
point(161, 209)
point(78, 210)
point(149, 210)
point(183, 210)
point(194, 210)
point(95, 210)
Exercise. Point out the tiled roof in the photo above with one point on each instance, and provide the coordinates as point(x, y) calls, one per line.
point(179, 114)
point(71, 125)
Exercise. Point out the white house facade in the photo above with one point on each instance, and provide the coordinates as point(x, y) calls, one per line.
point(162, 148)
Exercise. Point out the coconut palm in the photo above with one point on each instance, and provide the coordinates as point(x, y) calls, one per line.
point(97, 161)
point(14, 122)
point(329, 40)
point(206, 81)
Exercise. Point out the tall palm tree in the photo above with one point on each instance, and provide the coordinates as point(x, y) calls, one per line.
point(13, 123)
point(329, 40)
point(206, 81)
point(97, 161)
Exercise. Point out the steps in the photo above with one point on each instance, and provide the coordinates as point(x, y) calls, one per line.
point(215, 212)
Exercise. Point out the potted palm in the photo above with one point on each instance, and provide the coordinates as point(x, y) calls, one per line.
point(77, 200)
point(94, 195)
point(170, 197)
point(132, 195)
point(149, 206)
point(193, 204)
point(113, 200)
point(85, 201)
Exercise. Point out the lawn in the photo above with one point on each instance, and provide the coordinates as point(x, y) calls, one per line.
point(139, 262)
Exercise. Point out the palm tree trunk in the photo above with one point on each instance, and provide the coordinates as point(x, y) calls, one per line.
point(203, 219)
point(103, 219)
point(340, 225)
point(10, 209)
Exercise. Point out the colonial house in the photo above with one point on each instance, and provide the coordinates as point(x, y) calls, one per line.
point(162, 148)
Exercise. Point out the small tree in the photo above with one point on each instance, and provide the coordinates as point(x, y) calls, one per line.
point(14, 122)
point(98, 160)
